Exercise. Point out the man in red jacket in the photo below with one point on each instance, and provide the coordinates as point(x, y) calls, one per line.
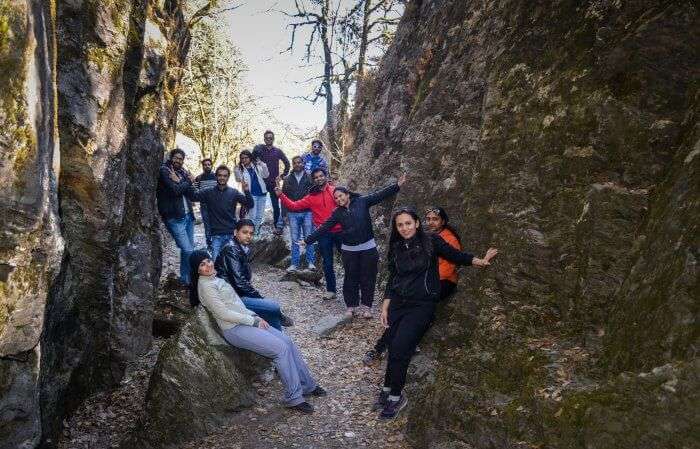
point(320, 202)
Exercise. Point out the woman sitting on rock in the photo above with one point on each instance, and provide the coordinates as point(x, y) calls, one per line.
point(412, 292)
point(359, 250)
point(242, 328)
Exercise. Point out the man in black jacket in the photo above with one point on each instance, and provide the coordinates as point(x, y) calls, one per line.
point(203, 181)
point(296, 187)
point(220, 203)
point(233, 266)
point(173, 192)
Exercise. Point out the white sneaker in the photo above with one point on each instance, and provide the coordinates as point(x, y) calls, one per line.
point(292, 268)
point(312, 266)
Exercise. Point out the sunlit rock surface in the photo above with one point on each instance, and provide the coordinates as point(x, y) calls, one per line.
point(565, 134)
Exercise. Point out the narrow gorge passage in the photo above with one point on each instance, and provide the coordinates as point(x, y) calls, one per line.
point(342, 419)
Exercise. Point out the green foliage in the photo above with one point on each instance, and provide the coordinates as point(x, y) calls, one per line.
point(214, 103)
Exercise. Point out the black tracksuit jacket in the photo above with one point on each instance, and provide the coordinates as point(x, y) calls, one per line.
point(413, 269)
point(355, 220)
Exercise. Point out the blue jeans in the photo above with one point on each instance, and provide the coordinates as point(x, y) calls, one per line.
point(182, 230)
point(325, 246)
point(257, 212)
point(218, 242)
point(300, 226)
point(205, 222)
point(267, 309)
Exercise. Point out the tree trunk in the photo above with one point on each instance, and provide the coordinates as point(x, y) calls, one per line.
point(327, 86)
point(364, 38)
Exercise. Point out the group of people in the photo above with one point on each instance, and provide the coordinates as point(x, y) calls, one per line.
point(421, 263)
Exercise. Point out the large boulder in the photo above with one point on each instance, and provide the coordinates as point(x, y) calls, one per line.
point(269, 249)
point(565, 135)
point(198, 384)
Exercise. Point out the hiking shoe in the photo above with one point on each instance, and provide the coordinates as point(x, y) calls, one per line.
point(371, 356)
point(380, 403)
point(366, 313)
point(311, 267)
point(318, 392)
point(328, 296)
point(292, 268)
point(285, 321)
point(392, 408)
point(304, 407)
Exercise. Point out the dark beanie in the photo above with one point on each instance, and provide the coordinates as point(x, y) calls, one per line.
point(196, 258)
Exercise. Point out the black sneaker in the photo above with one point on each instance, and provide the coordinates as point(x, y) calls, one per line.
point(285, 320)
point(319, 391)
point(372, 356)
point(304, 407)
point(380, 403)
point(392, 408)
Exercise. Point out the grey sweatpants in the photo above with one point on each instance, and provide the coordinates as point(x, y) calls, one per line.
point(271, 343)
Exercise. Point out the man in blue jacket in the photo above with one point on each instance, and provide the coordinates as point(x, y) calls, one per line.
point(313, 159)
point(175, 186)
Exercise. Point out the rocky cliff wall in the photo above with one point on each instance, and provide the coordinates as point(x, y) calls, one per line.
point(93, 96)
point(30, 241)
point(565, 134)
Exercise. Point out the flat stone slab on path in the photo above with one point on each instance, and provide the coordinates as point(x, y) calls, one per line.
point(329, 323)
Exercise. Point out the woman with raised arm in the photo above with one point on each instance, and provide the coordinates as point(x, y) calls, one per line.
point(243, 329)
point(412, 292)
point(359, 250)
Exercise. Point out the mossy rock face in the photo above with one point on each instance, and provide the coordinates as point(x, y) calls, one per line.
point(198, 384)
point(31, 245)
point(564, 134)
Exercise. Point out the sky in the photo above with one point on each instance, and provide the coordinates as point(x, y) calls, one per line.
point(260, 31)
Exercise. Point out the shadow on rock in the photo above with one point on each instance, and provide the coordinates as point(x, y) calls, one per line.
point(198, 384)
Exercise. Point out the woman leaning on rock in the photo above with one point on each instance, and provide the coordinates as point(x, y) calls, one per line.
point(412, 292)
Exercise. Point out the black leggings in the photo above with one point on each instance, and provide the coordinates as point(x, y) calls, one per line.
point(360, 276)
point(407, 325)
point(447, 288)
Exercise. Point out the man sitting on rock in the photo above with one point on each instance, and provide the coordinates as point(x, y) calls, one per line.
point(232, 265)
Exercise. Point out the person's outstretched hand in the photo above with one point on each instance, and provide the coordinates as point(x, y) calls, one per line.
point(262, 324)
point(402, 180)
point(490, 254)
point(486, 261)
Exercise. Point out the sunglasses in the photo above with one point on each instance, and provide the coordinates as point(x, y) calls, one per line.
point(316, 145)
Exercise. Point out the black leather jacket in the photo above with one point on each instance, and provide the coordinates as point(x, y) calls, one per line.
point(232, 265)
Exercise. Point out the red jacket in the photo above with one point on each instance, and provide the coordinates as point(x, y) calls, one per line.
point(321, 205)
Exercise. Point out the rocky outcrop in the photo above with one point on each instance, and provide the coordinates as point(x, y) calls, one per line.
point(102, 79)
point(30, 242)
point(199, 382)
point(565, 135)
